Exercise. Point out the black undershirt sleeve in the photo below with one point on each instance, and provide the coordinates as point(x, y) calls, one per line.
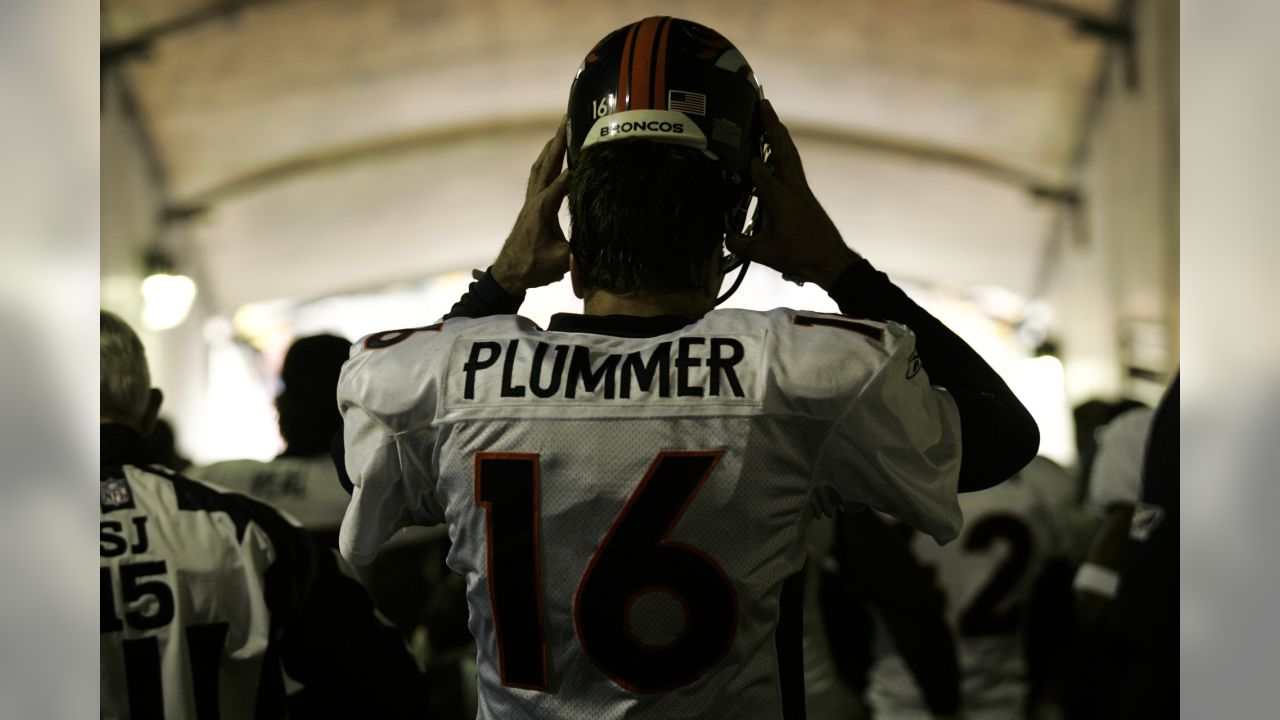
point(998, 435)
point(485, 297)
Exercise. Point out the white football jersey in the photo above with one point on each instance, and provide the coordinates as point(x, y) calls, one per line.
point(987, 576)
point(186, 576)
point(305, 487)
point(626, 510)
point(1117, 468)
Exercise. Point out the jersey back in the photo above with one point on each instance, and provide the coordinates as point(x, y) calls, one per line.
point(627, 511)
point(306, 488)
point(190, 578)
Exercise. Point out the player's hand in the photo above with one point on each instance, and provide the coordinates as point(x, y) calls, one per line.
point(797, 238)
point(536, 252)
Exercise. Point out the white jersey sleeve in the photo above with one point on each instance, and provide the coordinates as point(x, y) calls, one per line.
point(1117, 468)
point(903, 434)
point(390, 491)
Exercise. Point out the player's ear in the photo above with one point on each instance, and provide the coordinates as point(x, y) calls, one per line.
point(154, 400)
point(574, 278)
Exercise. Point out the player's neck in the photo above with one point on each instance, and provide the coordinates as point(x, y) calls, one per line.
point(110, 420)
point(648, 305)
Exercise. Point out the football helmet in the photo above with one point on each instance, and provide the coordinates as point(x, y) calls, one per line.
point(668, 80)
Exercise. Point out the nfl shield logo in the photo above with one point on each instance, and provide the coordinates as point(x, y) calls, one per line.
point(115, 494)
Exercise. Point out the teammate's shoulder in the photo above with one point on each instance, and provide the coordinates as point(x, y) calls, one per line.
point(1044, 468)
point(1049, 483)
point(197, 495)
point(1129, 429)
point(218, 473)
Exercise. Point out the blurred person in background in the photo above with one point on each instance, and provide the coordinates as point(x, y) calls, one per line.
point(1143, 638)
point(871, 568)
point(209, 597)
point(829, 695)
point(408, 581)
point(1114, 485)
point(1090, 418)
point(1005, 583)
point(301, 480)
point(1115, 482)
point(635, 546)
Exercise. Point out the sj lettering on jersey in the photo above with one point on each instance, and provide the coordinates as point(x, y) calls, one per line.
point(114, 540)
point(713, 369)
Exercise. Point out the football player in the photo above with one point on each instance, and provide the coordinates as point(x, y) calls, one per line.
point(206, 595)
point(1115, 481)
point(1144, 639)
point(908, 607)
point(301, 481)
point(1018, 541)
point(628, 489)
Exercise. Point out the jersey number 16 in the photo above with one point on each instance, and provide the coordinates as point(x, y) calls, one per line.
point(634, 558)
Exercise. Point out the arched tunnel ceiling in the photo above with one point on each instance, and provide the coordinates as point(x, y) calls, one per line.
point(340, 144)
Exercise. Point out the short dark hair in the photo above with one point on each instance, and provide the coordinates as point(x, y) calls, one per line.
point(309, 415)
point(645, 217)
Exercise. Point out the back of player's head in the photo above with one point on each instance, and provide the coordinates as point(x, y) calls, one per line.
point(125, 379)
point(662, 124)
point(308, 409)
point(645, 218)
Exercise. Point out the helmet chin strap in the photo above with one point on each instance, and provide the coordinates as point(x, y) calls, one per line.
point(729, 263)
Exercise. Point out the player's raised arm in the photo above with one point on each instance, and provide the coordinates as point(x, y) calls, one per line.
point(795, 237)
point(536, 252)
point(800, 241)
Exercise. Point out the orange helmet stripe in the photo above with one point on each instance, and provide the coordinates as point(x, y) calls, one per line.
point(642, 66)
point(660, 74)
point(623, 101)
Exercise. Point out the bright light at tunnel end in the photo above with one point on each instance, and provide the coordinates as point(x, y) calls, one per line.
point(166, 300)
